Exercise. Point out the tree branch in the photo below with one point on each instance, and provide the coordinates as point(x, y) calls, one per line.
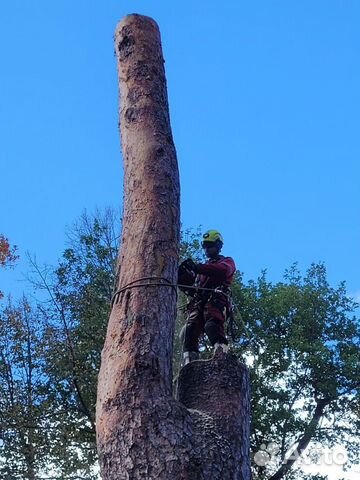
point(60, 309)
point(304, 440)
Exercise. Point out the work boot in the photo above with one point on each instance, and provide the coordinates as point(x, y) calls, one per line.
point(190, 357)
point(225, 348)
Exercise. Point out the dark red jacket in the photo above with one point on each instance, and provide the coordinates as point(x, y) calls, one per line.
point(214, 273)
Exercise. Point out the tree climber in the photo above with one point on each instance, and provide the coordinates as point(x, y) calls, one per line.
point(207, 309)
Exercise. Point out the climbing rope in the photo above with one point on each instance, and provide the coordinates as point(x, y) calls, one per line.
point(156, 282)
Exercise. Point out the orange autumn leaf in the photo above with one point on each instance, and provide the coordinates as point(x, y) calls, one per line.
point(8, 254)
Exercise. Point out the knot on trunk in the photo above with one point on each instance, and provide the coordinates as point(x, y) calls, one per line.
point(126, 43)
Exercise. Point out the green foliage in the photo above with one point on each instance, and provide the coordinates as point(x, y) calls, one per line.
point(190, 245)
point(79, 292)
point(82, 291)
point(303, 352)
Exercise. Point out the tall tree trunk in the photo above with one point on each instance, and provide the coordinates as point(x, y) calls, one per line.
point(142, 431)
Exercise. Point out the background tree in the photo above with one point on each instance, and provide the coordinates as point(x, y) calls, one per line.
point(76, 308)
point(304, 355)
point(24, 421)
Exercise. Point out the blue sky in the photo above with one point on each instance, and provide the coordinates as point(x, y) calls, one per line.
point(264, 102)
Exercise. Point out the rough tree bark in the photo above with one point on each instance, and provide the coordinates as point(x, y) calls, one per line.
point(216, 392)
point(142, 431)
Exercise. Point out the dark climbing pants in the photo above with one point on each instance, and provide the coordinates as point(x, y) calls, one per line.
point(204, 318)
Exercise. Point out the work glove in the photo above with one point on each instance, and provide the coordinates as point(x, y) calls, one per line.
point(189, 265)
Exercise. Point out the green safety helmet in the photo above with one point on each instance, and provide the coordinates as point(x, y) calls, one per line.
point(212, 236)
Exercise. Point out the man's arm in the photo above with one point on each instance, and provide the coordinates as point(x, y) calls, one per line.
point(221, 270)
